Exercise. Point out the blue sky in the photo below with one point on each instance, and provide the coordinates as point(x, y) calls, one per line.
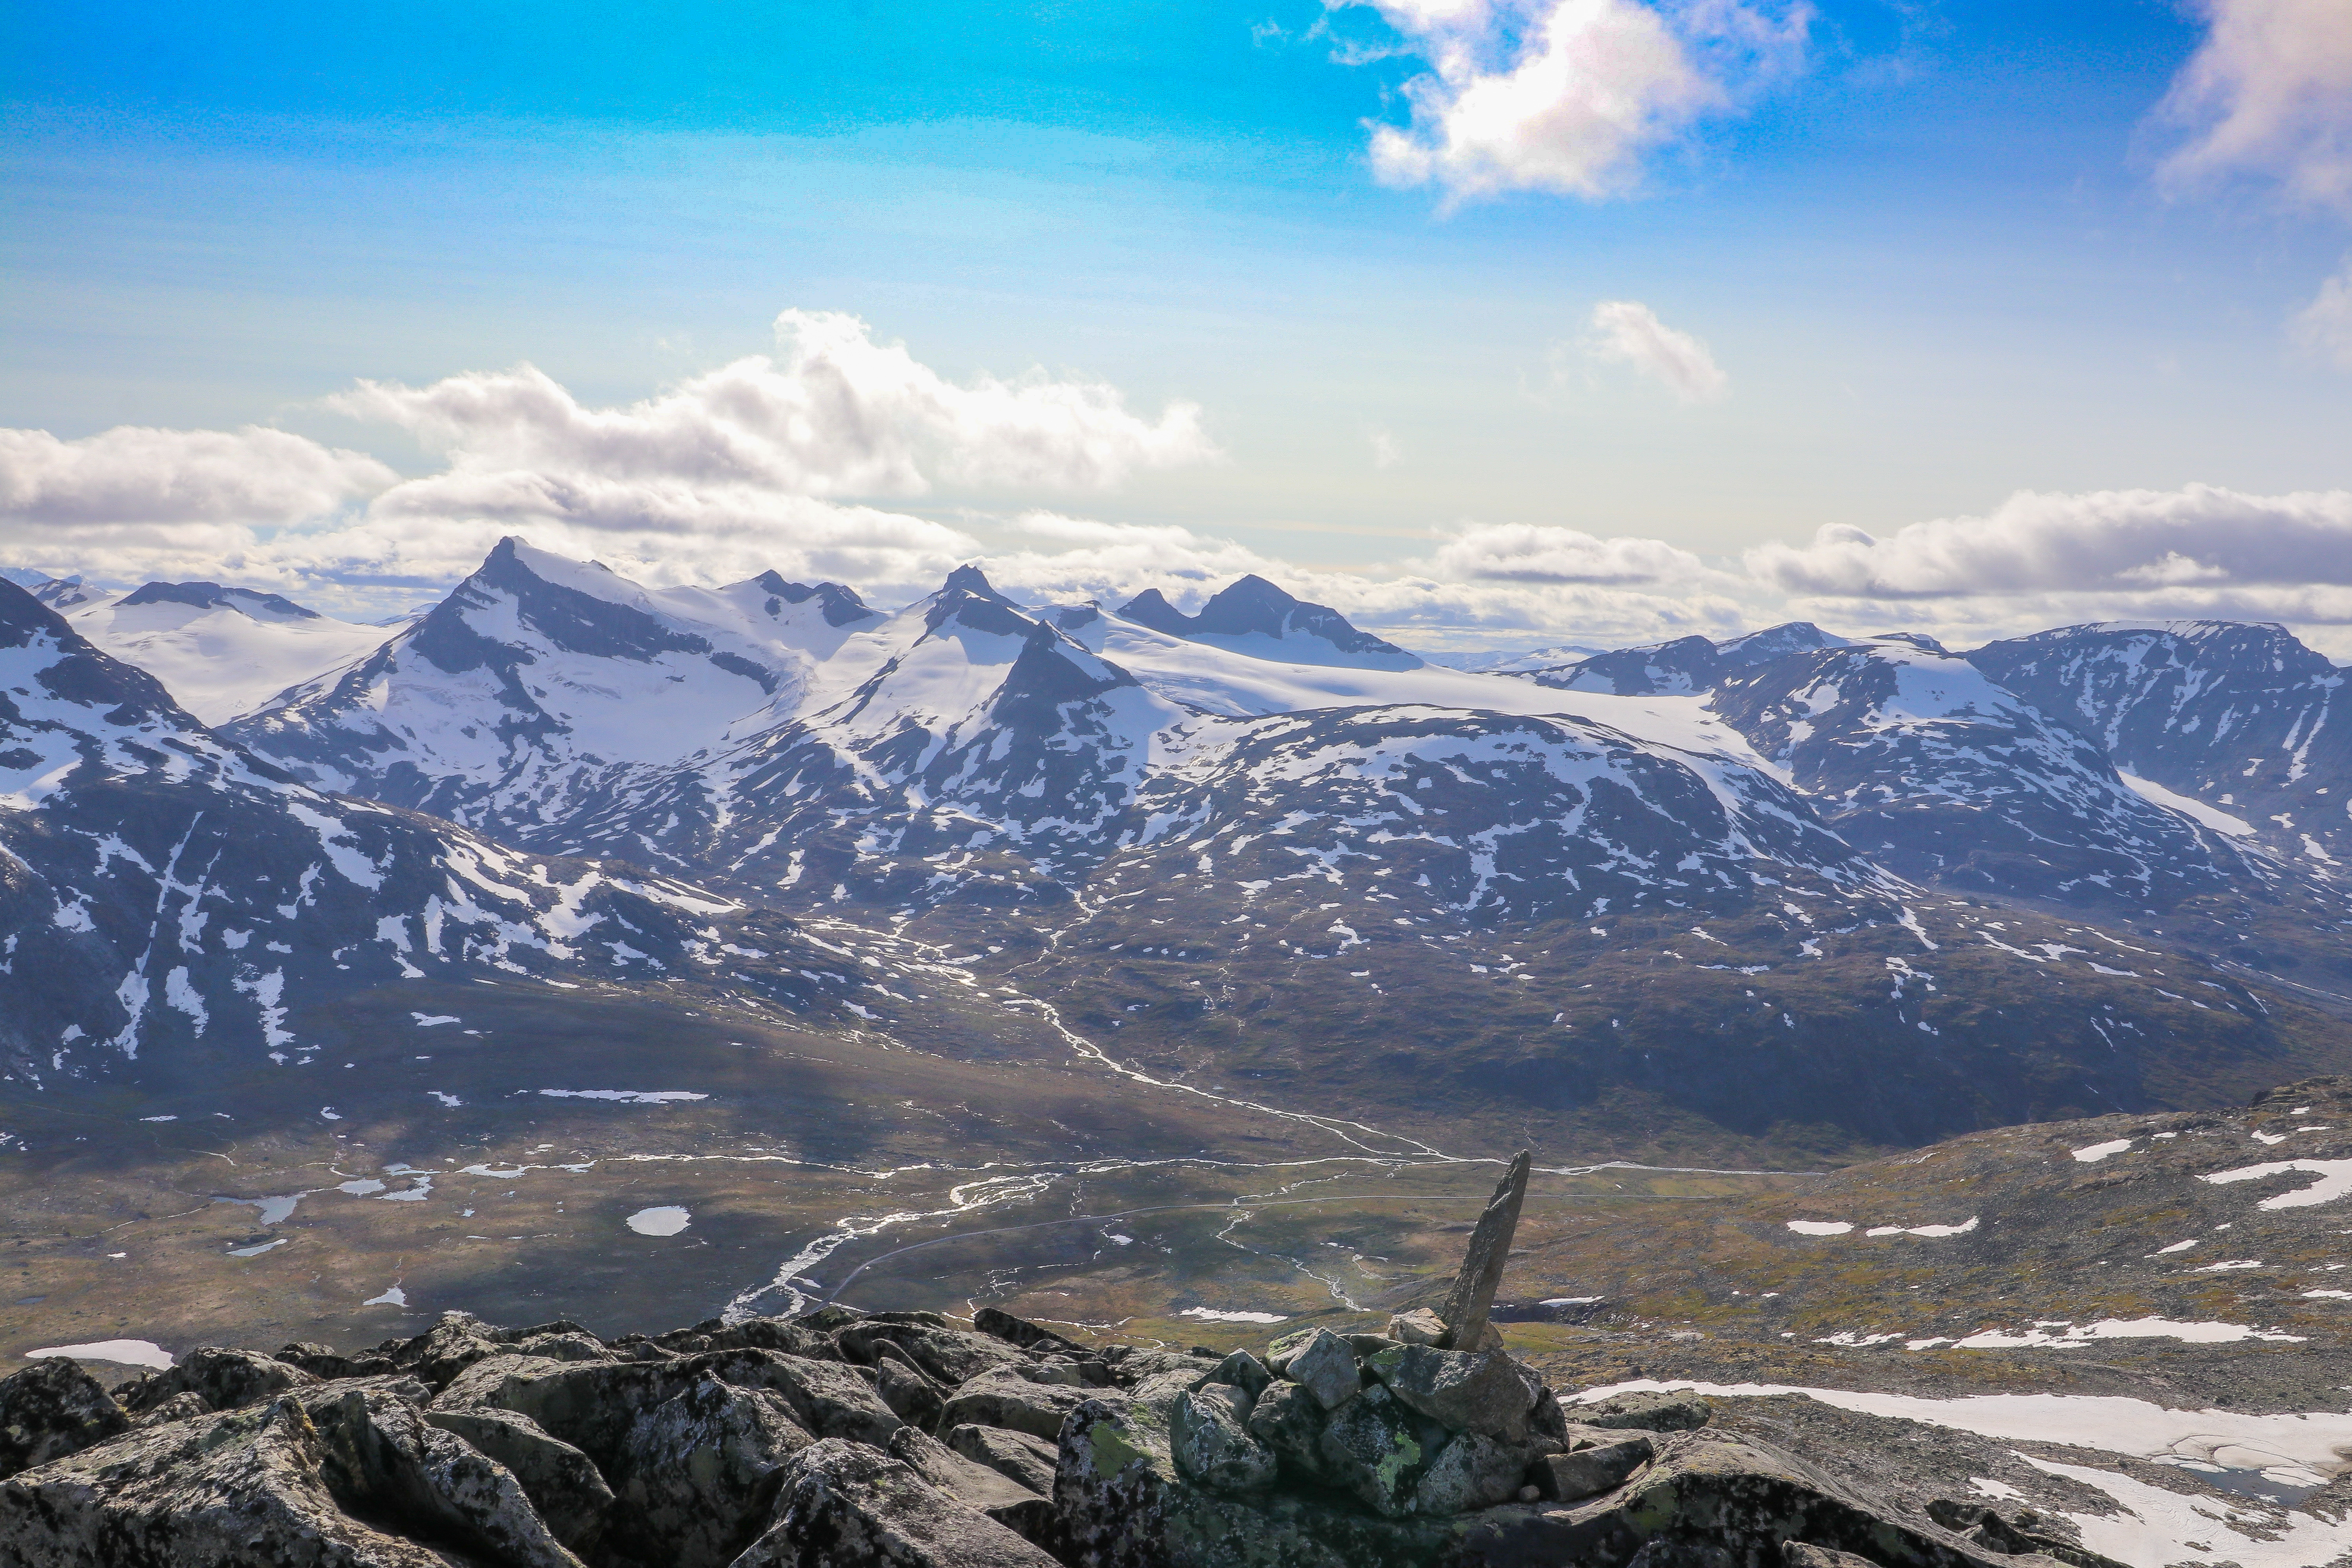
point(1928, 256)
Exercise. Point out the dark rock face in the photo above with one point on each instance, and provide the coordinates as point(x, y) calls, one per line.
point(2242, 718)
point(51, 1409)
point(1923, 763)
point(212, 596)
point(1251, 608)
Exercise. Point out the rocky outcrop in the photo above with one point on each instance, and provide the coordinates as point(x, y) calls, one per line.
point(845, 1506)
point(51, 1409)
point(834, 1440)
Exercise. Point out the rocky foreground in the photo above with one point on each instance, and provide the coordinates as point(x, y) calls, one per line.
point(842, 1438)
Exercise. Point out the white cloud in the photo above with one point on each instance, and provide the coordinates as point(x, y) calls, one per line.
point(1386, 453)
point(1568, 96)
point(1529, 553)
point(2324, 327)
point(1629, 332)
point(746, 468)
point(2114, 541)
point(131, 475)
point(835, 414)
point(2269, 92)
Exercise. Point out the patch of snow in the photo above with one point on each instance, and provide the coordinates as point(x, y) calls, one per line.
point(2196, 811)
point(1211, 1315)
point(624, 1096)
point(2092, 1153)
point(2335, 1181)
point(1820, 1227)
point(667, 1220)
point(123, 1353)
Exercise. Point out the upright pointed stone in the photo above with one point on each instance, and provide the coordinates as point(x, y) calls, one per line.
point(1472, 1295)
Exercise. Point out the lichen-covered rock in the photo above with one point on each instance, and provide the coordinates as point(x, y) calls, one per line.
point(1023, 1334)
point(1130, 1365)
point(51, 1409)
point(912, 1397)
point(1123, 1505)
point(286, 1485)
point(1472, 1471)
point(1478, 1392)
point(448, 1348)
point(1589, 1471)
point(1003, 1397)
point(1289, 1421)
point(1421, 1326)
point(1647, 1413)
point(697, 1477)
point(563, 1483)
point(222, 1379)
point(567, 1346)
point(794, 1336)
point(1376, 1449)
point(848, 1506)
point(1027, 1512)
point(1210, 1441)
point(1244, 1372)
point(181, 1406)
point(593, 1404)
point(1323, 1363)
point(1802, 1554)
point(1020, 1456)
point(948, 1356)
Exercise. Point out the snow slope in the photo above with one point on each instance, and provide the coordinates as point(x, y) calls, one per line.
point(220, 651)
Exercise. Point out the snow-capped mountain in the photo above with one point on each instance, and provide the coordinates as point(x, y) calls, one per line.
point(961, 743)
point(1921, 761)
point(161, 886)
point(220, 651)
point(936, 739)
point(1252, 616)
point(2231, 720)
point(1684, 666)
point(1494, 817)
point(58, 593)
point(540, 680)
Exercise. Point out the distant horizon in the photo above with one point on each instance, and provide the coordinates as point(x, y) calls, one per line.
point(1189, 599)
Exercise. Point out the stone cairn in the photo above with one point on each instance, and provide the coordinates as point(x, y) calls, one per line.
point(845, 1439)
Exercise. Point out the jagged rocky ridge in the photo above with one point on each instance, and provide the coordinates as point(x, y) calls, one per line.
point(840, 1439)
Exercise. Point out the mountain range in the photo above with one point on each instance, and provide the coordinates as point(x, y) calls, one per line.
point(556, 770)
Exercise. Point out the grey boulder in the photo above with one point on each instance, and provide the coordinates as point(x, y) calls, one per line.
point(846, 1506)
point(51, 1409)
point(1478, 1392)
point(1003, 1397)
point(1209, 1439)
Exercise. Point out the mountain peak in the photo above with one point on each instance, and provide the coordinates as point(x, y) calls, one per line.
point(1250, 608)
point(970, 579)
point(841, 606)
point(212, 596)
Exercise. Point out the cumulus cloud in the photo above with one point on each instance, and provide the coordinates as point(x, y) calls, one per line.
point(1628, 333)
point(766, 462)
point(1568, 96)
point(2116, 541)
point(2269, 92)
point(1529, 553)
point(2324, 327)
point(835, 413)
point(134, 475)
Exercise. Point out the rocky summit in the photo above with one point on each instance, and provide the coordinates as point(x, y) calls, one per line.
point(839, 1439)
